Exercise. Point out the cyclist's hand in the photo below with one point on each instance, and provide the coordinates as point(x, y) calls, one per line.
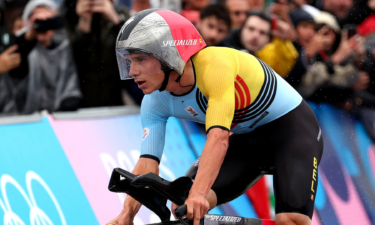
point(122, 219)
point(197, 207)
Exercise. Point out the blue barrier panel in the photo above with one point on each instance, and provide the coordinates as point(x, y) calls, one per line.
point(38, 185)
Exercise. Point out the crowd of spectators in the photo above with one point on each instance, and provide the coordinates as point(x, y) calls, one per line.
point(59, 55)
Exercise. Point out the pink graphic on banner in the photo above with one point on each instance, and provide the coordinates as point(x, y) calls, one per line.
point(93, 148)
point(348, 212)
point(315, 219)
point(371, 154)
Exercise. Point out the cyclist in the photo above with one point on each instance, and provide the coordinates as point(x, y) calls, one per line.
point(274, 129)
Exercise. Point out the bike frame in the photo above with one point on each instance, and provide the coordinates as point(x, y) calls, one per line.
point(153, 192)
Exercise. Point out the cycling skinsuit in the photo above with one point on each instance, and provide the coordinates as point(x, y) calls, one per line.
point(244, 95)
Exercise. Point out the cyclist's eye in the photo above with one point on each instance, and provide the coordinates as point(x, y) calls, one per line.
point(139, 59)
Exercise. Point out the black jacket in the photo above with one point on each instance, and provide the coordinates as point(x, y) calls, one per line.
point(95, 58)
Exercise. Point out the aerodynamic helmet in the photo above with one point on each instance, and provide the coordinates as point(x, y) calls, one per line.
point(161, 33)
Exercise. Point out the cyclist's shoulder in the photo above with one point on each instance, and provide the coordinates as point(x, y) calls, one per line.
point(211, 56)
point(213, 53)
point(156, 97)
point(156, 101)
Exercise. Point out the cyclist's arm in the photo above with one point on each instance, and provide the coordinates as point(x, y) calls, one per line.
point(154, 116)
point(143, 166)
point(219, 117)
point(218, 85)
point(211, 159)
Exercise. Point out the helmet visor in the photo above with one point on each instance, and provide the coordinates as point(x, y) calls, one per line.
point(135, 64)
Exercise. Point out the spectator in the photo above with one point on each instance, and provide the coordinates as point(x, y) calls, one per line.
point(192, 9)
point(16, 21)
point(305, 28)
point(174, 5)
point(214, 24)
point(9, 59)
point(237, 10)
point(13, 55)
point(256, 4)
point(366, 26)
point(139, 5)
point(255, 37)
point(337, 74)
point(52, 79)
point(93, 27)
point(281, 9)
point(340, 8)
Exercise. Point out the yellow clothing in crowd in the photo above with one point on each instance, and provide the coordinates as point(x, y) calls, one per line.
point(280, 55)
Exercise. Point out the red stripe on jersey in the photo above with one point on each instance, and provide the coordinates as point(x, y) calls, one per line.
point(247, 92)
point(236, 98)
point(233, 125)
point(242, 97)
point(183, 30)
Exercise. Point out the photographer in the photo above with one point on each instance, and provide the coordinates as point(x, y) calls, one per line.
point(93, 26)
point(52, 77)
point(51, 80)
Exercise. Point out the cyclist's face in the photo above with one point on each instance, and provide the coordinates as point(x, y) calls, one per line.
point(146, 71)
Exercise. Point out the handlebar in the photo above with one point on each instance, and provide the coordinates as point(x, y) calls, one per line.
point(180, 212)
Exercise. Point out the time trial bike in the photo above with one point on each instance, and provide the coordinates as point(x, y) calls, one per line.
point(153, 192)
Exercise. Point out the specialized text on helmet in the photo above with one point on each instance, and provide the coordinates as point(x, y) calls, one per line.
point(180, 42)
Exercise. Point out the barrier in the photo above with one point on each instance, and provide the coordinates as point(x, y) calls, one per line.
point(346, 188)
point(55, 168)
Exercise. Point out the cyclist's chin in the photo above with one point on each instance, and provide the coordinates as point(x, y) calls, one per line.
point(148, 90)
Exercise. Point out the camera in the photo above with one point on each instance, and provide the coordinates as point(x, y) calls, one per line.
point(53, 23)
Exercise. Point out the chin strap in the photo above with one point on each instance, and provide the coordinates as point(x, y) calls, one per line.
point(178, 79)
point(166, 79)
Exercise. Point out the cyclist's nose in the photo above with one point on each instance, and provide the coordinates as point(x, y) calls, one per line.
point(133, 71)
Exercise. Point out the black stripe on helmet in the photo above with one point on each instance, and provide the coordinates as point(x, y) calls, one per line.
point(136, 19)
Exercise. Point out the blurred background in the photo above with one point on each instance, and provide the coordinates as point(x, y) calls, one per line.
point(66, 119)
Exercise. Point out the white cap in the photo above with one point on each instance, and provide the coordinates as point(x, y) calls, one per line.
point(327, 19)
point(31, 5)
